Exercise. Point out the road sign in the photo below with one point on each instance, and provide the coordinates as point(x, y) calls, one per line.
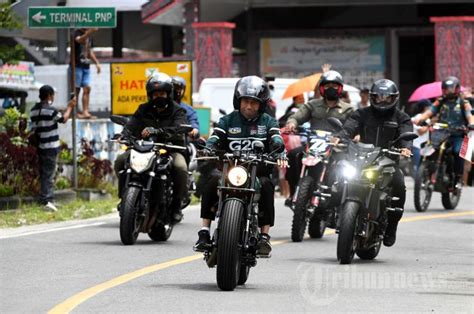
point(69, 17)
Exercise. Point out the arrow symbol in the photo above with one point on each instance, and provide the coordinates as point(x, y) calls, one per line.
point(38, 17)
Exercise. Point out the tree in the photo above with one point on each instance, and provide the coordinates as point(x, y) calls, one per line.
point(10, 21)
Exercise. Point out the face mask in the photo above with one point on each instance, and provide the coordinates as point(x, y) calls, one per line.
point(159, 102)
point(451, 96)
point(331, 94)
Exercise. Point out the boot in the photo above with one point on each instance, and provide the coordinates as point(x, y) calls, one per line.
point(203, 242)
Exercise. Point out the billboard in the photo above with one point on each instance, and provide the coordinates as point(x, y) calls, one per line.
point(360, 60)
point(128, 80)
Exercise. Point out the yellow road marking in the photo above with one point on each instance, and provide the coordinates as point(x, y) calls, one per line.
point(72, 302)
point(75, 300)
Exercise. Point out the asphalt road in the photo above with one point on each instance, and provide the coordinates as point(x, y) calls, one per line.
point(84, 268)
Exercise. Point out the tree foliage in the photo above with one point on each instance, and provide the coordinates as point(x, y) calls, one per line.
point(10, 21)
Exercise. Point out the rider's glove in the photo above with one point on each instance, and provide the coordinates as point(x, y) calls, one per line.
point(277, 147)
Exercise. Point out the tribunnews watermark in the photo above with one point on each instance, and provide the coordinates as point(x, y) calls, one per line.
point(322, 285)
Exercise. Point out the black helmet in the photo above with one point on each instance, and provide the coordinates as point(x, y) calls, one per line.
point(331, 77)
point(159, 81)
point(252, 87)
point(45, 91)
point(384, 95)
point(451, 87)
point(179, 84)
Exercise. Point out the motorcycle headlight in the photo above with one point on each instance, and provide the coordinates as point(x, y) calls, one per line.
point(370, 174)
point(348, 171)
point(140, 162)
point(237, 176)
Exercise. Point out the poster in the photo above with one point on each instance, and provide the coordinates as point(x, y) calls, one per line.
point(360, 60)
point(128, 81)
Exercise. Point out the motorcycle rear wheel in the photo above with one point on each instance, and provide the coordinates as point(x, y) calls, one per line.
point(368, 254)
point(161, 232)
point(316, 227)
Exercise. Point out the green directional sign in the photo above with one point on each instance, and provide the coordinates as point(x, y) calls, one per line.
point(69, 17)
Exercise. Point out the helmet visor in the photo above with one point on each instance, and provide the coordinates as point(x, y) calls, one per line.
point(383, 100)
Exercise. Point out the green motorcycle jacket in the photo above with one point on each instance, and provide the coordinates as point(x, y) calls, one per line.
point(234, 132)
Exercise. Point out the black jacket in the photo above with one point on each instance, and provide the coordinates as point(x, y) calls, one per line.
point(147, 116)
point(374, 129)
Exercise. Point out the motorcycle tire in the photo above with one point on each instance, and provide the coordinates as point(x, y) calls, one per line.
point(316, 227)
point(129, 221)
point(244, 274)
point(450, 200)
point(160, 232)
point(298, 226)
point(422, 194)
point(369, 254)
point(346, 241)
point(228, 246)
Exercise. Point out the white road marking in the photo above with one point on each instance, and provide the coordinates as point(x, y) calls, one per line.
point(52, 230)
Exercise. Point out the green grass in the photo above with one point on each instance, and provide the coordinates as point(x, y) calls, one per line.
point(78, 209)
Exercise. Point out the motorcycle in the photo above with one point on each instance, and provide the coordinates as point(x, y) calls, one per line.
point(436, 172)
point(366, 195)
point(233, 246)
point(147, 189)
point(313, 200)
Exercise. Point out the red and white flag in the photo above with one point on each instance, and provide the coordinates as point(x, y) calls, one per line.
point(467, 147)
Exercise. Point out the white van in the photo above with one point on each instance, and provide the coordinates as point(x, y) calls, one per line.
point(217, 93)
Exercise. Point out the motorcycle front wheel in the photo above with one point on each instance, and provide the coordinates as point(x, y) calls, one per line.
point(347, 241)
point(298, 226)
point(130, 223)
point(229, 246)
point(423, 189)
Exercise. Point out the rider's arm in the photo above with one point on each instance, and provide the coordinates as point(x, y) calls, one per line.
point(193, 118)
point(351, 126)
point(301, 116)
point(406, 125)
point(274, 137)
point(219, 134)
point(467, 112)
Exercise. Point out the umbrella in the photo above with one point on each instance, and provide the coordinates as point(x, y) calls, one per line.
point(426, 91)
point(306, 84)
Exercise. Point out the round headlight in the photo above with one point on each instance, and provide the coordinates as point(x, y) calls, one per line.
point(237, 176)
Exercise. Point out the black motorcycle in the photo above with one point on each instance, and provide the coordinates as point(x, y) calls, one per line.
point(436, 171)
point(234, 241)
point(147, 188)
point(366, 175)
point(313, 200)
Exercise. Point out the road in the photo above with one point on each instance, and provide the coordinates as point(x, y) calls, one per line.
point(82, 267)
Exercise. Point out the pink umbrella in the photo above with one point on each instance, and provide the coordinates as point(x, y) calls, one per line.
point(426, 91)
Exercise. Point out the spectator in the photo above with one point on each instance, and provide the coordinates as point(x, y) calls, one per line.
point(84, 56)
point(298, 100)
point(364, 98)
point(45, 118)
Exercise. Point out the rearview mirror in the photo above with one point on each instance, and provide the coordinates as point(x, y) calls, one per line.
point(407, 136)
point(335, 123)
point(222, 111)
point(120, 120)
point(258, 145)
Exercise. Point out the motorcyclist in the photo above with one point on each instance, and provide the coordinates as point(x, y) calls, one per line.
point(451, 108)
point(379, 124)
point(237, 131)
point(316, 112)
point(179, 88)
point(160, 111)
